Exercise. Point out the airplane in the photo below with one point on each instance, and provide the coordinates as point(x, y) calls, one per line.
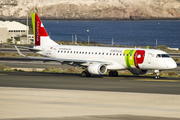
point(98, 60)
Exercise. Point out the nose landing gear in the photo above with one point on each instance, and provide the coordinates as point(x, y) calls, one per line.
point(157, 74)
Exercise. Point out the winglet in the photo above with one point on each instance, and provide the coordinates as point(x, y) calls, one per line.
point(19, 52)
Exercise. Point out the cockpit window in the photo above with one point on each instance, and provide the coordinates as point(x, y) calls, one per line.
point(165, 55)
point(158, 56)
point(162, 56)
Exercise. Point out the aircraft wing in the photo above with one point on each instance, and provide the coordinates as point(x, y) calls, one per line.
point(66, 60)
point(60, 59)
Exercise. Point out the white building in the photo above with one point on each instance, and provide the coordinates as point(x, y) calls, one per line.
point(11, 30)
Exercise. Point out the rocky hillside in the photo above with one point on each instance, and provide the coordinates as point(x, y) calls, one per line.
point(92, 9)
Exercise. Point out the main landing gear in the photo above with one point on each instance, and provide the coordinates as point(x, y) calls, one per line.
point(85, 74)
point(113, 73)
point(157, 74)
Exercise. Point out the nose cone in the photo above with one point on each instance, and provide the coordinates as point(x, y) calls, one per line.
point(172, 64)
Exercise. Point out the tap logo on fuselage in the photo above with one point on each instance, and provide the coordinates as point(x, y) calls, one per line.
point(134, 57)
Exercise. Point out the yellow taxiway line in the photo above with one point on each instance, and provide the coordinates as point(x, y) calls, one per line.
point(3, 74)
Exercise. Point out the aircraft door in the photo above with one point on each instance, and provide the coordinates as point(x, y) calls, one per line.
point(53, 52)
point(149, 58)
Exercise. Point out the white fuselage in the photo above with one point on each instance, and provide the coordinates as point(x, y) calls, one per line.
point(116, 58)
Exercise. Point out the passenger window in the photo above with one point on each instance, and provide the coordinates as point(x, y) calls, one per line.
point(110, 54)
point(96, 53)
point(102, 53)
point(89, 52)
point(67, 51)
point(61, 51)
point(77, 52)
point(74, 52)
point(106, 53)
point(99, 53)
point(64, 51)
point(85, 52)
point(58, 51)
point(82, 52)
point(71, 51)
point(113, 53)
point(117, 54)
point(92, 52)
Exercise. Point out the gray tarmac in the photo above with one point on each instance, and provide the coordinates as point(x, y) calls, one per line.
point(136, 84)
point(51, 96)
point(13, 50)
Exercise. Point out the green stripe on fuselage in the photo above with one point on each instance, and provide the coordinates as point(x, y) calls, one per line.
point(129, 57)
point(33, 15)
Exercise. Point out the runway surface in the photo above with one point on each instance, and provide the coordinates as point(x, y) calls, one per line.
point(139, 84)
point(51, 96)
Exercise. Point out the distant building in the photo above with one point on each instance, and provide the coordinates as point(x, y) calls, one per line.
point(9, 30)
point(23, 40)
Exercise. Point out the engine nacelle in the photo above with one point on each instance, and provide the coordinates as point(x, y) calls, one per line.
point(98, 69)
point(138, 71)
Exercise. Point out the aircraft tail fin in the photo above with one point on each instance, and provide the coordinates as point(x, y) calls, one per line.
point(40, 35)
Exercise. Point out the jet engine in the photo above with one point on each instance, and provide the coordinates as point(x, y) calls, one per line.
point(138, 71)
point(98, 69)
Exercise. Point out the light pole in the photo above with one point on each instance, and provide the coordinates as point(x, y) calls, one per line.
point(156, 42)
point(75, 39)
point(72, 38)
point(88, 36)
point(27, 25)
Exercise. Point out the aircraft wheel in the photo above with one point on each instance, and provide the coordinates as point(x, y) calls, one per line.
point(113, 74)
point(85, 74)
point(88, 74)
point(157, 77)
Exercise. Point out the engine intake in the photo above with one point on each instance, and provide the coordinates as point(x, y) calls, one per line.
point(98, 69)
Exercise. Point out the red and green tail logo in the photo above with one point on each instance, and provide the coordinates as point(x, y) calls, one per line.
point(38, 28)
